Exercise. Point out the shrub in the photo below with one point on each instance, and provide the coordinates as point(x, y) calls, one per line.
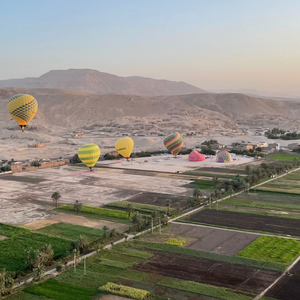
point(175, 242)
point(125, 291)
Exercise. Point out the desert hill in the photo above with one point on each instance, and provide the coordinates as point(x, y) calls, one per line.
point(93, 81)
point(193, 112)
point(104, 117)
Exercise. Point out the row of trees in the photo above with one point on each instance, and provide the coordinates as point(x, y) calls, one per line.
point(277, 133)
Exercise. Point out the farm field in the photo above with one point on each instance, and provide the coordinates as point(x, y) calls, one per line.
point(163, 273)
point(288, 287)
point(121, 264)
point(72, 232)
point(158, 199)
point(211, 239)
point(247, 221)
point(12, 250)
point(207, 272)
point(285, 157)
point(272, 249)
point(265, 200)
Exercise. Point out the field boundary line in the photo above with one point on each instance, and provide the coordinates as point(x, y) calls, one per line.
point(273, 284)
point(237, 230)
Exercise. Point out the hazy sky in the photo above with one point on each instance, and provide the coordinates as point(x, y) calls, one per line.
point(213, 44)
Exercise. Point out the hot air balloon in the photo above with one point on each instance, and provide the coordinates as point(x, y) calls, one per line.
point(89, 154)
point(173, 143)
point(124, 146)
point(22, 108)
point(224, 157)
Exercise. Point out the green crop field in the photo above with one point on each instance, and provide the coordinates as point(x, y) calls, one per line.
point(205, 174)
point(203, 184)
point(190, 286)
point(12, 250)
point(143, 208)
point(12, 231)
point(25, 296)
point(72, 232)
point(285, 156)
point(60, 291)
point(272, 249)
point(100, 213)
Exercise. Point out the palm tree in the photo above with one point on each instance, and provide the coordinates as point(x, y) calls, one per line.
point(6, 283)
point(55, 197)
point(197, 193)
point(81, 244)
point(105, 229)
point(113, 233)
point(77, 206)
point(129, 210)
point(215, 181)
point(168, 204)
point(39, 271)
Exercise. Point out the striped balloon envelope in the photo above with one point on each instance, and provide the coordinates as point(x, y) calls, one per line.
point(89, 154)
point(22, 108)
point(173, 143)
point(224, 157)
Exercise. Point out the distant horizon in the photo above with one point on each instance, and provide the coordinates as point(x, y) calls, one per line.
point(227, 90)
point(209, 44)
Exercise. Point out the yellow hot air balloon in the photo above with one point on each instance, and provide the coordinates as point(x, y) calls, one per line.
point(124, 146)
point(89, 154)
point(22, 108)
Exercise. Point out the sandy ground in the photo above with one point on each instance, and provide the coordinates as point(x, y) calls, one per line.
point(56, 146)
point(26, 197)
point(212, 239)
point(76, 220)
point(169, 163)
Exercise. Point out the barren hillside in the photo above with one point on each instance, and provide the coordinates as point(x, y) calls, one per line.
point(93, 81)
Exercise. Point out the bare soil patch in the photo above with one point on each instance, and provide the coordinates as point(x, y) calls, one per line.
point(221, 170)
point(76, 220)
point(211, 239)
point(24, 179)
point(288, 287)
point(242, 278)
point(247, 221)
point(38, 224)
point(158, 199)
point(2, 237)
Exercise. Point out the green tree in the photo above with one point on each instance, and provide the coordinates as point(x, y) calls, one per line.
point(55, 197)
point(129, 210)
point(168, 204)
point(105, 229)
point(77, 206)
point(81, 244)
point(39, 272)
point(248, 169)
point(113, 233)
point(197, 193)
point(215, 181)
point(137, 221)
point(6, 283)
